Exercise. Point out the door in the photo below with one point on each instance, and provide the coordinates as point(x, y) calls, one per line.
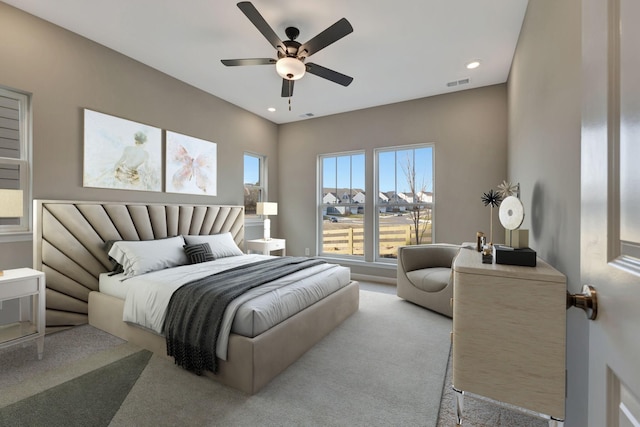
point(610, 227)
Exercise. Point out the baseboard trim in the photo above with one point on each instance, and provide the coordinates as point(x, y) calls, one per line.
point(377, 279)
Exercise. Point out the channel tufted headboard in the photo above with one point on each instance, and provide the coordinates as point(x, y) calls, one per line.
point(69, 238)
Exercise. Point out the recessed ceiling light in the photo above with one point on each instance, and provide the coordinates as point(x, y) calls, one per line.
point(473, 64)
point(271, 109)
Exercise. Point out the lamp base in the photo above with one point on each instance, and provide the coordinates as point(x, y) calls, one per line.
point(267, 229)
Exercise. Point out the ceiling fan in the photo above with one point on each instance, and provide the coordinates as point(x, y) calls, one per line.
point(290, 64)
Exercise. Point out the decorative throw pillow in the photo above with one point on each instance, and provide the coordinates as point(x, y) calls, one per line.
point(143, 256)
point(222, 245)
point(199, 252)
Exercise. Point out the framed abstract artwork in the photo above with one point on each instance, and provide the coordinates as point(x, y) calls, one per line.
point(121, 154)
point(190, 165)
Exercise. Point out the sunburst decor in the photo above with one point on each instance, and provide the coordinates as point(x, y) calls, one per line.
point(492, 199)
point(507, 189)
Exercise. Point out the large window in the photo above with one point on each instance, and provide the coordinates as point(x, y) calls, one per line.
point(404, 206)
point(15, 144)
point(255, 188)
point(342, 204)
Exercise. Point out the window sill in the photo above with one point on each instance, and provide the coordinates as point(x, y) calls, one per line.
point(359, 262)
point(22, 236)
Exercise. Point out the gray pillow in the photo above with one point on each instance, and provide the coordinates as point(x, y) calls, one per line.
point(222, 245)
point(199, 252)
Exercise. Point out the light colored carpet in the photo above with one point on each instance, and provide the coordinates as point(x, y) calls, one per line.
point(483, 413)
point(383, 366)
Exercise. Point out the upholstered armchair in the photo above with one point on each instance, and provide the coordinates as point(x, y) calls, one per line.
point(425, 276)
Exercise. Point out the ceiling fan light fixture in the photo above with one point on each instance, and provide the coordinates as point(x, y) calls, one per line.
point(290, 68)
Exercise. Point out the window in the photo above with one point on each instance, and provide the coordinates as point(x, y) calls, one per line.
point(404, 206)
point(341, 204)
point(254, 183)
point(15, 142)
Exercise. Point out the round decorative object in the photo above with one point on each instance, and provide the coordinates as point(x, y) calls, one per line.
point(511, 213)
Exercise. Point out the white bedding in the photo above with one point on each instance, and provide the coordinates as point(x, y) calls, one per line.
point(147, 296)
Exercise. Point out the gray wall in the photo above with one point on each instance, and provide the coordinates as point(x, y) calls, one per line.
point(468, 128)
point(66, 73)
point(544, 156)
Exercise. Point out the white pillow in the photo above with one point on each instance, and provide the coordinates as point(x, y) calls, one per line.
point(139, 257)
point(222, 245)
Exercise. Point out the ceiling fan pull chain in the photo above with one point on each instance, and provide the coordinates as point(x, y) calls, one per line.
point(289, 103)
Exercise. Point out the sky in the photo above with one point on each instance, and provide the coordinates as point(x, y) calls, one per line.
point(336, 170)
point(391, 170)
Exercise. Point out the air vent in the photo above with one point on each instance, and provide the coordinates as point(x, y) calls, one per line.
point(306, 115)
point(459, 82)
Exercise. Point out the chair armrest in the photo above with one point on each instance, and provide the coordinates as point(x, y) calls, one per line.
point(417, 257)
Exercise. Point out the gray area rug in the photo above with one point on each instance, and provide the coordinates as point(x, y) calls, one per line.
point(384, 366)
point(91, 399)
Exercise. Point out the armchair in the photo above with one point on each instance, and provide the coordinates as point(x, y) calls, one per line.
point(425, 277)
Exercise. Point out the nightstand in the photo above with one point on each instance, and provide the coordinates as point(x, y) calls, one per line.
point(265, 247)
point(28, 287)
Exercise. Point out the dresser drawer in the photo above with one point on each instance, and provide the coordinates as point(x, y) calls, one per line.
point(275, 245)
point(18, 288)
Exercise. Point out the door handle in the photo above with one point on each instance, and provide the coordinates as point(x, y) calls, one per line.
point(587, 300)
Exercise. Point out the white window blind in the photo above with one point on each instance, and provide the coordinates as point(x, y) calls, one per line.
point(14, 155)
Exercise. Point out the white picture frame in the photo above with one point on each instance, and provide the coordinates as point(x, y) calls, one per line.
point(121, 154)
point(190, 165)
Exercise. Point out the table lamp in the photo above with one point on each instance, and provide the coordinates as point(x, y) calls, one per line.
point(266, 209)
point(10, 205)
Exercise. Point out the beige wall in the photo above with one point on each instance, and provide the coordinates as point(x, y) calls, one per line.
point(66, 73)
point(544, 156)
point(469, 131)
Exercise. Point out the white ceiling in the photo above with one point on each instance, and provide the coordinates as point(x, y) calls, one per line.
point(399, 50)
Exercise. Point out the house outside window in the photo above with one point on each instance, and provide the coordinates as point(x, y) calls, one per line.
point(341, 204)
point(255, 188)
point(404, 206)
point(15, 146)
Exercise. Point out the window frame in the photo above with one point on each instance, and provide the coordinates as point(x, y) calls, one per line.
point(21, 231)
point(320, 205)
point(262, 187)
point(377, 205)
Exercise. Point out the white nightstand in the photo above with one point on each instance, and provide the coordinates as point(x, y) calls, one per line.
point(27, 286)
point(265, 247)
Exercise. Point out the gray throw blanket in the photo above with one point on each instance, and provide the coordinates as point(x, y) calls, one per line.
point(195, 311)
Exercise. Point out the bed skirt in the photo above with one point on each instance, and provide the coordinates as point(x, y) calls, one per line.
point(251, 362)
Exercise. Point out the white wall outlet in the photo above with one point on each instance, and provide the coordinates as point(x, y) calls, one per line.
point(306, 251)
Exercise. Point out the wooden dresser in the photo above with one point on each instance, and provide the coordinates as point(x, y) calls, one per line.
point(509, 333)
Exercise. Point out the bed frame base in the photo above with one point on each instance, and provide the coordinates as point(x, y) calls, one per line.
point(252, 362)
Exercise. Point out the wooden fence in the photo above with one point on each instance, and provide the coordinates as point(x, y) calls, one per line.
point(350, 240)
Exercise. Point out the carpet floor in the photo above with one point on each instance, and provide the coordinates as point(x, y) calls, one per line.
point(384, 366)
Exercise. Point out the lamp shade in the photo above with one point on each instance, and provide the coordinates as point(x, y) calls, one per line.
point(290, 68)
point(267, 208)
point(10, 203)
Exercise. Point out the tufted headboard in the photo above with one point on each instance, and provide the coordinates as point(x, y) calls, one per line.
point(69, 236)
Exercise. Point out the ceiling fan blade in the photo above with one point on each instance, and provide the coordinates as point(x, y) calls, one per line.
point(248, 61)
point(256, 19)
point(287, 88)
point(325, 38)
point(328, 74)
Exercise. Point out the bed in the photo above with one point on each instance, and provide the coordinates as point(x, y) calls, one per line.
point(69, 247)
